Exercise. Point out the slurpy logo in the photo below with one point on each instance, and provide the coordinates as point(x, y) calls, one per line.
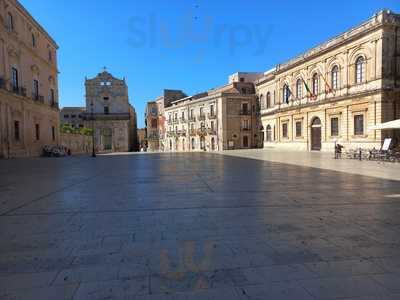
point(203, 35)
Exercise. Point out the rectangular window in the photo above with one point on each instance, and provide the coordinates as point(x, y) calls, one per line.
point(106, 110)
point(298, 129)
point(52, 96)
point(53, 133)
point(16, 130)
point(35, 88)
point(50, 56)
point(37, 131)
point(14, 79)
point(33, 40)
point(10, 22)
point(284, 130)
point(191, 113)
point(212, 125)
point(334, 126)
point(66, 116)
point(359, 125)
point(246, 124)
point(245, 107)
point(212, 110)
point(201, 111)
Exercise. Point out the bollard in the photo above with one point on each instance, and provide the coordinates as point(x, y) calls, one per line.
point(359, 153)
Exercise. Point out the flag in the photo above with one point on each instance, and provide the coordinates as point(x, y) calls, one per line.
point(289, 93)
point(328, 88)
point(310, 94)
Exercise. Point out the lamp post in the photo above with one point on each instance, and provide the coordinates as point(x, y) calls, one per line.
point(92, 118)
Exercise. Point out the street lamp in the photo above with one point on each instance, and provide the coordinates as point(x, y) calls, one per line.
point(92, 118)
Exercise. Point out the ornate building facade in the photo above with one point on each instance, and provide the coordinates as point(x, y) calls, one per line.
point(110, 114)
point(29, 114)
point(155, 119)
point(223, 118)
point(335, 92)
point(151, 122)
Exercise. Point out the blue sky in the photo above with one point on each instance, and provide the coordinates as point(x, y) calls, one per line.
point(185, 44)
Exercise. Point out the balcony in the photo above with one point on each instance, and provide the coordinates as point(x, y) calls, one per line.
point(152, 136)
point(37, 97)
point(202, 131)
point(212, 131)
point(211, 116)
point(171, 134)
point(19, 90)
point(175, 121)
point(245, 128)
point(192, 119)
point(202, 117)
point(182, 120)
point(182, 132)
point(245, 112)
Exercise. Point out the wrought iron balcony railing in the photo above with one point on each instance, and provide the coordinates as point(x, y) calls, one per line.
point(38, 97)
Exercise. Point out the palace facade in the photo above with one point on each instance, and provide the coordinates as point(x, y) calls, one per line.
point(336, 91)
point(223, 118)
point(29, 114)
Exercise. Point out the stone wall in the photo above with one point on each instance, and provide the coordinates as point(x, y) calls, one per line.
point(78, 143)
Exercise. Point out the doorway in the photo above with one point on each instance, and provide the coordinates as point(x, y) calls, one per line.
point(316, 134)
point(107, 139)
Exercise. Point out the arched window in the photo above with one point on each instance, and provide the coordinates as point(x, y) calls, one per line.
point(315, 84)
point(360, 70)
point(268, 100)
point(268, 133)
point(335, 77)
point(285, 94)
point(299, 89)
point(262, 104)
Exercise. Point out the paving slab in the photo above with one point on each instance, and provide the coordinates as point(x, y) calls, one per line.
point(195, 226)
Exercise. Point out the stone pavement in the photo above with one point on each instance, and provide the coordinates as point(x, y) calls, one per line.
point(195, 226)
point(322, 160)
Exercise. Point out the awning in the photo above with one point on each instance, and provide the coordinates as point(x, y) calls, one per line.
point(388, 125)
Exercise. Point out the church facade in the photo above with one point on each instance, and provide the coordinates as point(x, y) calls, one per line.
point(110, 114)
